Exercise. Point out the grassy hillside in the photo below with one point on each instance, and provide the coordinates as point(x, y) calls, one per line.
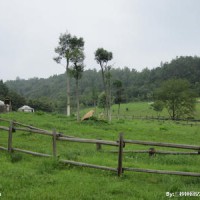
point(26, 177)
point(138, 109)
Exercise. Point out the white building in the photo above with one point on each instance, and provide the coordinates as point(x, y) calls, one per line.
point(26, 108)
point(2, 106)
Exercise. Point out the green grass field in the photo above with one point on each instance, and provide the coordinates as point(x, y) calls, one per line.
point(139, 109)
point(24, 176)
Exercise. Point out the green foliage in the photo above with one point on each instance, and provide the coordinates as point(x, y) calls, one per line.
point(64, 48)
point(157, 106)
point(102, 56)
point(3, 90)
point(117, 84)
point(102, 100)
point(41, 104)
point(137, 86)
point(16, 99)
point(177, 98)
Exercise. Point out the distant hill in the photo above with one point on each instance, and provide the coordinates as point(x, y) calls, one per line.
point(137, 85)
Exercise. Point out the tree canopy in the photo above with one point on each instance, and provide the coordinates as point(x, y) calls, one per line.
point(177, 98)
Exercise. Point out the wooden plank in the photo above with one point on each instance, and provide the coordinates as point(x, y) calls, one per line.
point(31, 152)
point(28, 126)
point(43, 132)
point(3, 148)
point(182, 146)
point(177, 153)
point(5, 120)
point(157, 152)
point(4, 128)
point(88, 165)
point(120, 155)
point(10, 137)
point(54, 142)
point(81, 140)
point(163, 172)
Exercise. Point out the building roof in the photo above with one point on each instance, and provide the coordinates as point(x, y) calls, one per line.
point(25, 107)
point(1, 103)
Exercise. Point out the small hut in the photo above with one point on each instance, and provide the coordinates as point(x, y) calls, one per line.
point(26, 108)
point(2, 106)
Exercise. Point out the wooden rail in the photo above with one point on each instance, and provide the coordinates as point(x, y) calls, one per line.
point(81, 140)
point(88, 165)
point(182, 146)
point(157, 152)
point(120, 144)
point(163, 172)
point(4, 128)
point(31, 152)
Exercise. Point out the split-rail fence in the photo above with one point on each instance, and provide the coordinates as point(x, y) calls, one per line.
point(120, 144)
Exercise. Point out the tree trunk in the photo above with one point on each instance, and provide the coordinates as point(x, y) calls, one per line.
point(77, 101)
point(68, 89)
point(106, 91)
point(109, 99)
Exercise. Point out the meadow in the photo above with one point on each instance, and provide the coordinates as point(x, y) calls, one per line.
point(24, 176)
point(139, 110)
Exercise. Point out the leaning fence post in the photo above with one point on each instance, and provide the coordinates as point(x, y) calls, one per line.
point(54, 142)
point(10, 137)
point(120, 155)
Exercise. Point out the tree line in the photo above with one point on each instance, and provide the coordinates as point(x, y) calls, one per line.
point(116, 85)
point(136, 86)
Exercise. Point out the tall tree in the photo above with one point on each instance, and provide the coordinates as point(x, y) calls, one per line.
point(76, 71)
point(102, 57)
point(177, 97)
point(65, 50)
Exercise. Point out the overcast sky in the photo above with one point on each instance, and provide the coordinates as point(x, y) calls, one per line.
point(140, 33)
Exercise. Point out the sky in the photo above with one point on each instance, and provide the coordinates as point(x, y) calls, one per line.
point(139, 33)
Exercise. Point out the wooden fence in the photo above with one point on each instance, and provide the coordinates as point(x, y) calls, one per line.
point(120, 143)
point(190, 122)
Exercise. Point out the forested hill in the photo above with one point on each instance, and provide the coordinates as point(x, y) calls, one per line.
point(137, 85)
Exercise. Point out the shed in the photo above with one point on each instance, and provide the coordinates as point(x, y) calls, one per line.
point(26, 108)
point(2, 106)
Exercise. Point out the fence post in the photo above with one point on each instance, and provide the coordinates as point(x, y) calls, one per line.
point(54, 142)
point(152, 152)
point(120, 155)
point(10, 137)
point(98, 146)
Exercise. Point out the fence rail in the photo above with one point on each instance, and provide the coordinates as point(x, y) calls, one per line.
point(161, 144)
point(120, 143)
point(157, 152)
